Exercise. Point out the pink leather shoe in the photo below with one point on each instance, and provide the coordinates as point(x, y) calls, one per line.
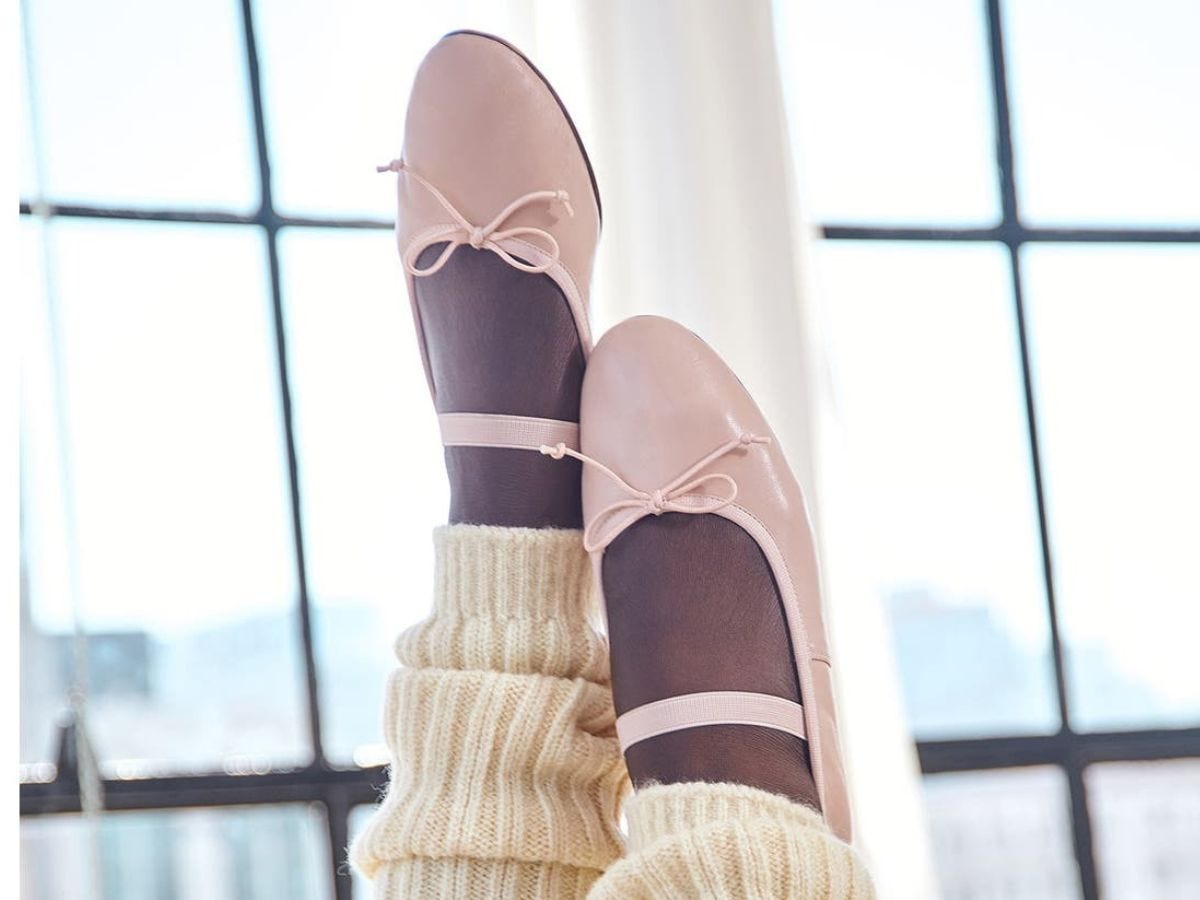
point(668, 428)
point(492, 162)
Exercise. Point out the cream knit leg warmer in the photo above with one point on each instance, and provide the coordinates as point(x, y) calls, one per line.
point(730, 842)
point(506, 778)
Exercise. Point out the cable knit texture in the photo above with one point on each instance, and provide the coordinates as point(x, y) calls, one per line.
point(507, 781)
point(730, 842)
point(506, 777)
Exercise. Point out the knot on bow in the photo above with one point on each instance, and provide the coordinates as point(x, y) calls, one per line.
point(481, 237)
point(682, 494)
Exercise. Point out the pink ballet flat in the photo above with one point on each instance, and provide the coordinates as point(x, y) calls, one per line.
point(668, 428)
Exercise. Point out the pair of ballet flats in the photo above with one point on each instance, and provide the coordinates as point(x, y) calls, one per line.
point(492, 164)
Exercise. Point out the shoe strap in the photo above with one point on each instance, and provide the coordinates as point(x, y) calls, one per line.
point(505, 432)
point(710, 708)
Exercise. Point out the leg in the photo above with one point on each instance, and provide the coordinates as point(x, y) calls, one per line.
point(725, 811)
point(692, 606)
point(719, 661)
point(506, 777)
point(503, 341)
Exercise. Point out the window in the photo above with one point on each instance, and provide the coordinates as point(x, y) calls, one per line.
point(199, 560)
point(1011, 260)
point(1011, 277)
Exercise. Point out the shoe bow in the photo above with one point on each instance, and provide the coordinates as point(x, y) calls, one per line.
point(681, 494)
point(463, 232)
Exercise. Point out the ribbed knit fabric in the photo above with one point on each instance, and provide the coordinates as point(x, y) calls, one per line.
point(506, 777)
point(730, 842)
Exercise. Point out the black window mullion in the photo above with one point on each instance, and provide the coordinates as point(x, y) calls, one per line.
point(1010, 229)
point(1081, 824)
point(1035, 457)
point(198, 216)
point(1081, 828)
point(267, 219)
point(1008, 233)
point(364, 785)
point(337, 813)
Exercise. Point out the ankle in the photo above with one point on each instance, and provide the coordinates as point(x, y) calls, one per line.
point(513, 488)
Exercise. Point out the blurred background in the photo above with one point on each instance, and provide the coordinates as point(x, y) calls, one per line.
point(952, 245)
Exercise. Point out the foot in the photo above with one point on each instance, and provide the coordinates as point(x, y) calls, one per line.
point(692, 606)
point(720, 664)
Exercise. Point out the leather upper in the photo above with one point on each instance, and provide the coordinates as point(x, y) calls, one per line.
point(655, 400)
point(486, 129)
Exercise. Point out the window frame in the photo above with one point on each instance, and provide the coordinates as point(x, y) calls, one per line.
point(338, 789)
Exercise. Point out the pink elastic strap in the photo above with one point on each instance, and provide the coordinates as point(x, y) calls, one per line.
point(710, 708)
point(506, 432)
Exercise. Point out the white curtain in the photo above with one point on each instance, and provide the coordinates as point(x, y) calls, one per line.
point(682, 107)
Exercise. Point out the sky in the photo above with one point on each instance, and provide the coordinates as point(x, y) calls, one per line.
point(167, 351)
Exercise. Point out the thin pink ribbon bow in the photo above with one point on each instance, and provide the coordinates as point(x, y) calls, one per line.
point(678, 495)
point(481, 237)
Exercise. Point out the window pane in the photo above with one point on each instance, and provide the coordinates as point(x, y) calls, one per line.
point(1002, 834)
point(1104, 99)
point(28, 176)
point(370, 459)
point(176, 501)
point(1147, 828)
point(336, 80)
point(143, 103)
point(928, 384)
point(234, 853)
point(893, 114)
point(38, 675)
point(1114, 332)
